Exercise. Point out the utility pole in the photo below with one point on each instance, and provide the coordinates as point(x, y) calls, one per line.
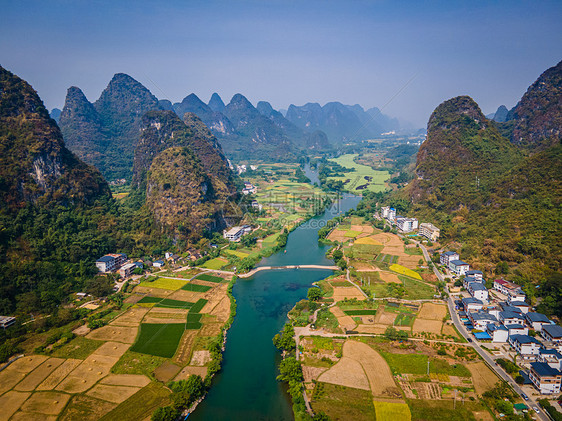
point(428, 366)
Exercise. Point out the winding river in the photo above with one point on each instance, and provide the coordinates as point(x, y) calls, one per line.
point(246, 388)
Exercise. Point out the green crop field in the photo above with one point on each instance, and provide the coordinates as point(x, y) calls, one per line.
point(364, 178)
point(417, 364)
point(366, 251)
point(404, 319)
point(196, 288)
point(164, 283)
point(405, 271)
point(365, 312)
point(193, 321)
point(149, 300)
point(416, 290)
point(210, 278)
point(445, 410)
point(164, 302)
point(392, 411)
point(271, 240)
point(198, 306)
point(343, 403)
point(216, 263)
point(158, 339)
point(351, 234)
point(144, 402)
point(169, 303)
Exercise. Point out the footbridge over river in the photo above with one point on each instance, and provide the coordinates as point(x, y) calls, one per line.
point(259, 269)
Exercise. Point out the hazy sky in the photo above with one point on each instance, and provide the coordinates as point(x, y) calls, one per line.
point(407, 56)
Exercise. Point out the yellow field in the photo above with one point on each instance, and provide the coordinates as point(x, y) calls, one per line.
point(164, 283)
point(368, 240)
point(405, 271)
point(392, 411)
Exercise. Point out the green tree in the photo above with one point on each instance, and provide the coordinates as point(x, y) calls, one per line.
point(314, 294)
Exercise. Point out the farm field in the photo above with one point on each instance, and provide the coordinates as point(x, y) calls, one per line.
point(364, 178)
point(388, 383)
point(164, 283)
point(216, 263)
point(108, 373)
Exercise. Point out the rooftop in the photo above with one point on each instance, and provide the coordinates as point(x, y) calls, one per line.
point(553, 330)
point(483, 316)
point(471, 300)
point(543, 369)
point(524, 339)
point(537, 317)
point(450, 253)
point(106, 258)
point(492, 327)
point(515, 326)
point(459, 263)
point(477, 286)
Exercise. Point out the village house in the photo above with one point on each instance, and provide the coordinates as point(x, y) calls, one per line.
point(545, 378)
point(525, 345)
point(552, 357)
point(522, 306)
point(497, 332)
point(505, 287)
point(517, 329)
point(429, 231)
point(471, 304)
point(536, 320)
point(458, 267)
point(158, 263)
point(477, 274)
point(552, 333)
point(468, 279)
point(508, 317)
point(478, 290)
point(516, 296)
point(448, 256)
point(481, 319)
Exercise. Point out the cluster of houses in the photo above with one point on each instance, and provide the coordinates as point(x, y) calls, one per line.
point(249, 188)
point(511, 322)
point(117, 262)
point(404, 224)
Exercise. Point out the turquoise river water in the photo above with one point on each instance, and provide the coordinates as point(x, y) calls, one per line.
point(246, 388)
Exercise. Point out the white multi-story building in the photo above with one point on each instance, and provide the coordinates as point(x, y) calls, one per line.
point(388, 213)
point(111, 262)
point(545, 378)
point(127, 270)
point(552, 333)
point(407, 224)
point(458, 267)
point(536, 320)
point(235, 233)
point(481, 319)
point(478, 290)
point(517, 329)
point(429, 231)
point(447, 257)
point(476, 274)
point(497, 332)
point(527, 346)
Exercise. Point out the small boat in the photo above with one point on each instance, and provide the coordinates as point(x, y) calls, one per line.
point(285, 251)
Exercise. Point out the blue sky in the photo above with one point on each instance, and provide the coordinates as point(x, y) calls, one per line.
point(407, 56)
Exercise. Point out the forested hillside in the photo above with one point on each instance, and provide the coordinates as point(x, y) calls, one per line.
point(496, 198)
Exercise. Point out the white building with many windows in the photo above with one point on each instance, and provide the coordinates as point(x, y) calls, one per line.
point(429, 231)
point(448, 256)
point(545, 378)
point(406, 224)
point(458, 267)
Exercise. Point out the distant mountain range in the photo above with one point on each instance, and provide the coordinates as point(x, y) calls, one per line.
point(105, 133)
point(341, 122)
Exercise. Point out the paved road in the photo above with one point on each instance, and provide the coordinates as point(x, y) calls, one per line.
point(484, 354)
